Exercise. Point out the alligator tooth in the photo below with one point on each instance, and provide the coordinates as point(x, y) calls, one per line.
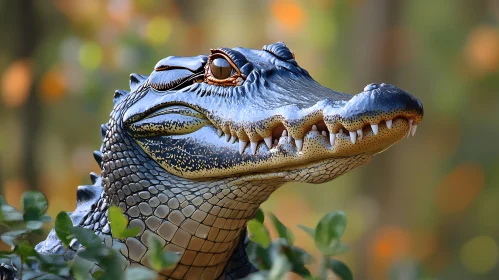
point(375, 128)
point(284, 133)
point(299, 144)
point(410, 128)
point(233, 139)
point(413, 131)
point(268, 141)
point(227, 137)
point(242, 145)
point(353, 136)
point(289, 139)
point(332, 138)
point(219, 132)
point(389, 124)
point(314, 127)
point(253, 147)
point(324, 133)
point(341, 131)
point(359, 132)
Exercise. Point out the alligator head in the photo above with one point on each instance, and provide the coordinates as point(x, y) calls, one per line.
point(193, 150)
point(242, 111)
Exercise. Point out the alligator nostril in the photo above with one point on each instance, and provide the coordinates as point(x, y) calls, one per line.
point(372, 86)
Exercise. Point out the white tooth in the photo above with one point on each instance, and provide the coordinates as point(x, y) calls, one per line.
point(413, 131)
point(324, 133)
point(242, 145)
point(332, 138)
point(353, 136)
point(219, 132)
point(359, 132)
point(289, 139)
point(410, 128)
point(253, 147)
point(314, 127)
point(284, 133)
point(233, 139)
point(341, 131)
point(299, 144)
point(375, 128)
point(276, 142)
point(227, 137)
point(389, 124)
point(268, 141)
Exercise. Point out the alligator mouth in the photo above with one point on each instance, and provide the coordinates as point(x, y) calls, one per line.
point(194, 139)
point(339, 136)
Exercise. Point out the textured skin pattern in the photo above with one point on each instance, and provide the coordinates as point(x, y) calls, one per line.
point(165, 164)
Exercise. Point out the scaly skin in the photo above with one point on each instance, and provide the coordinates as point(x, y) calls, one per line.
point(166, 163)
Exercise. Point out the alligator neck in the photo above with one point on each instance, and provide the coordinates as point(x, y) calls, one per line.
point(204, 220)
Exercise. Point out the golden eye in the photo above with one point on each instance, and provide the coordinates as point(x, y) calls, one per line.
point(220, 68)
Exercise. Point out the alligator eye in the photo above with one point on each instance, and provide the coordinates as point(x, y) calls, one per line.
point(220, 68)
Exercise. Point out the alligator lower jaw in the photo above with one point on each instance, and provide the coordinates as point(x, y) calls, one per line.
point(201, 154)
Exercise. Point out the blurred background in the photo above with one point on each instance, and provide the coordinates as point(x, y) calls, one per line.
point(425, 209)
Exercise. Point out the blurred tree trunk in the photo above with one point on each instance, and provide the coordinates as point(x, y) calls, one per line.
point(27, 28)
point(375, 62)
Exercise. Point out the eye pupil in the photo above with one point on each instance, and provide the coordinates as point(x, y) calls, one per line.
point(220, 68)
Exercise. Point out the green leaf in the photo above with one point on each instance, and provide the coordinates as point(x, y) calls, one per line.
point(25, 250)
point(33, 225)
point(113, 265)
point(260, 216)
point(80, 268)
point(298, 258)
point(5, 254)
point(140, 273)
point(282, 230)
point(159, 259)
point(309, 231)
point(94, 254)
point(341, 249)
point(280, 266)
point(329, 231)
point(34, 205)
point(258, 233)
point(10, 237)
point(54, 264)
point(8, 213)
point(119, 223)
point(259, 256)
point(340, 269)
point(62, 227)
point(86, 237)
point(98, 274)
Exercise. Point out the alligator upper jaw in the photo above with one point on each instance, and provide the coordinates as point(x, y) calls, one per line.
point(368, 123)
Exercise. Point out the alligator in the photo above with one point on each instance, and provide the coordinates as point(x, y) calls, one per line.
point(192, 150)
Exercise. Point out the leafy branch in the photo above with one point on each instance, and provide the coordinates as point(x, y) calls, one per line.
point(94, 260)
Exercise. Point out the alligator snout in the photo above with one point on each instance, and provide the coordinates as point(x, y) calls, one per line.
point(368, 121)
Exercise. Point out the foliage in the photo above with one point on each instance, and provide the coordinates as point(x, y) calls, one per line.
point(274, 258)
point(110, 263)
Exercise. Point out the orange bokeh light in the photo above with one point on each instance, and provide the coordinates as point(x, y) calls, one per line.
point(482, 49)
point(391, 243)
point(288, 13)
point(16, 82)
point(52, 86)
point(460, 187)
